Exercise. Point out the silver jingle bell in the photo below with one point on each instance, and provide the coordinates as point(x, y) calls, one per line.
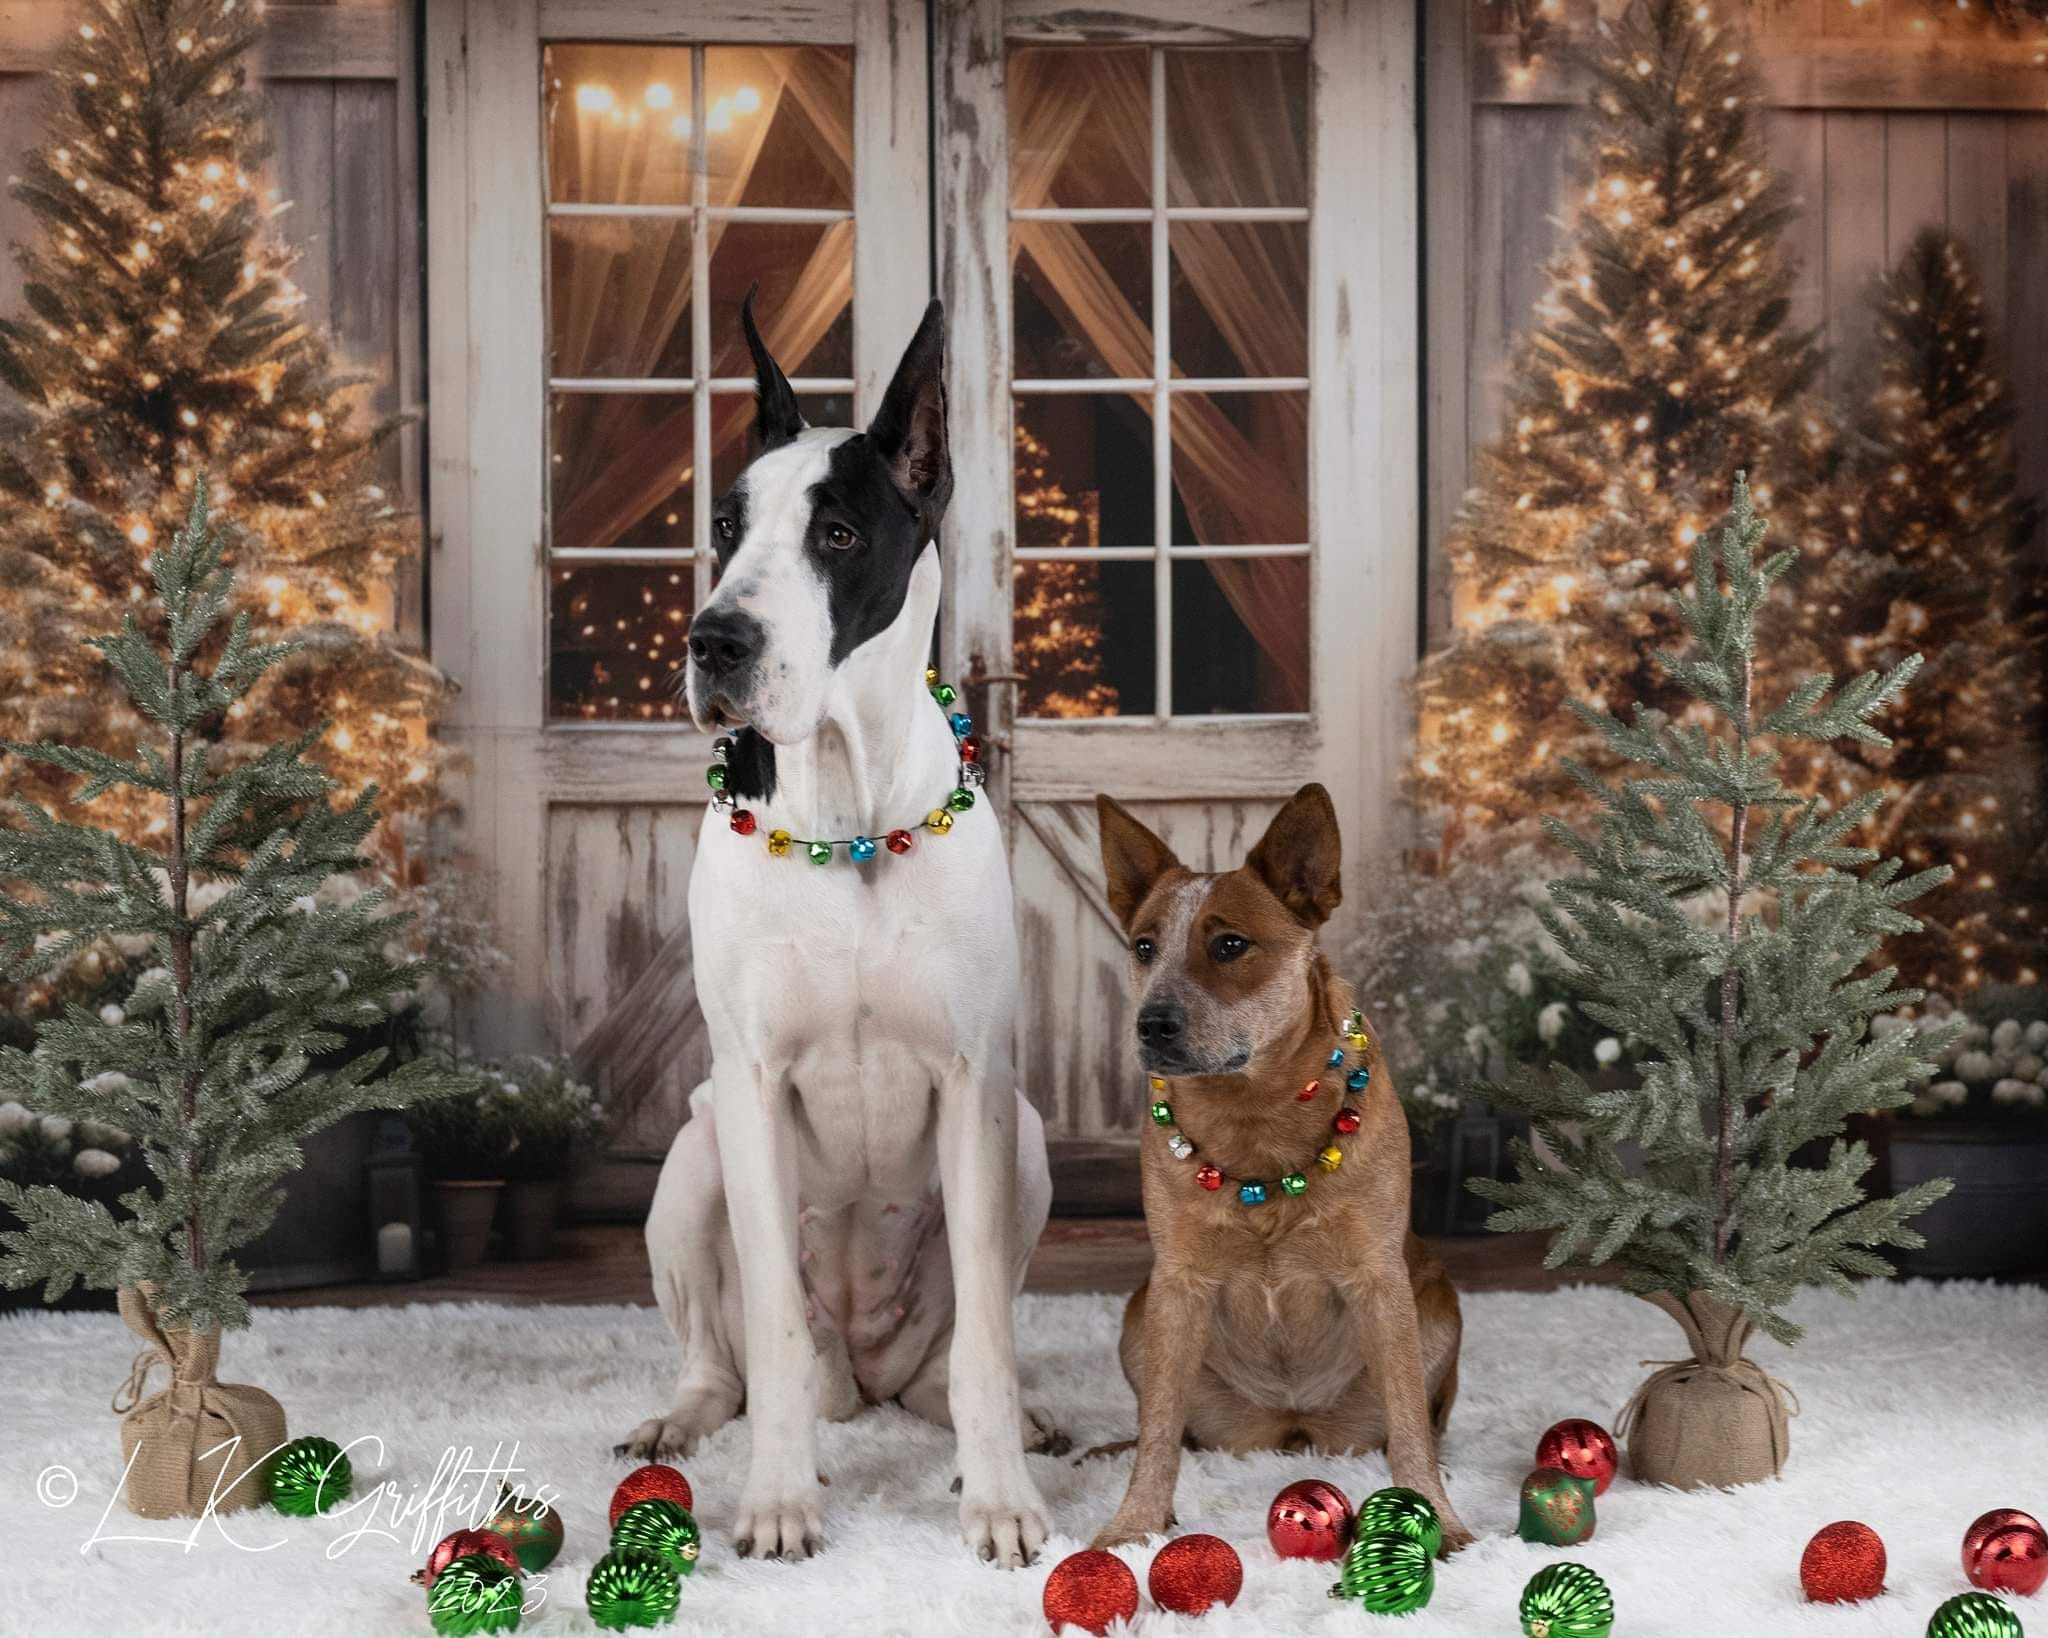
point(1179, 1146)
point(972, 775)
point(723, 802)
point(721, 749)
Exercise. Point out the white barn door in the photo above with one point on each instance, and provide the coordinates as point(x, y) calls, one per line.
point(1177, 242)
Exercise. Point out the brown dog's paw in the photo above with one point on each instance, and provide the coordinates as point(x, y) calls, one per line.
point(1456, 1536)
point(1127, 1530)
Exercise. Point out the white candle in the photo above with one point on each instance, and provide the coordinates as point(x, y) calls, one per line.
point(394, 1248)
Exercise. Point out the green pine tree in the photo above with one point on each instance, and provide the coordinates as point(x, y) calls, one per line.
point(1754, 1028)
point(212, 1065)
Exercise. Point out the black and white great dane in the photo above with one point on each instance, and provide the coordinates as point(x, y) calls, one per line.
point(846, 1216)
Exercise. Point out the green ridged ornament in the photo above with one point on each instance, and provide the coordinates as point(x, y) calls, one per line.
point(1399, 1512)
point(476, 1593)
point(310, 1476)
point(632, 1587)
point(1567, 1601)
point(1975, 1615)
point(662, 1526)
point(1388, 1574)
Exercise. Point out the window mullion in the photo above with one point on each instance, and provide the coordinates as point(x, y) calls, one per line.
point(700, 333)
point(1162, 429)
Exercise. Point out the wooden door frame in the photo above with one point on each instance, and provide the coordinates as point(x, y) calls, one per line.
point(487, 393)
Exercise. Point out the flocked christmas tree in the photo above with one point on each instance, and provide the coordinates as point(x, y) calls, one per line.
point(1936, 559)
point(163, 335)
point(1663, 355)
point(1753, 1025)
point(211, 1068)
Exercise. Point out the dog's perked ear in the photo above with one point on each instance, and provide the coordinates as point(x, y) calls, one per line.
point(1301, 856)
point(1133, 859)
point(776, 418)
point(909, 430)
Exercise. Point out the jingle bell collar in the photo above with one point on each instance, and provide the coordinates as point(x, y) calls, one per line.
point(863, 849)
point(1353, 1042)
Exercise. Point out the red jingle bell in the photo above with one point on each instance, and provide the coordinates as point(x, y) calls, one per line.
point(898, 841)
point(1192, 1573)
point(1583, 1449)
point(2006, 1551)
point(657, 1481)
point(460, 1545)
point(1843, 1564)
point(1346, 1121)
point(1310, 1519)
point(970, 749)
point(1089, 1590)
point(743, 822)
point(1209, 1177)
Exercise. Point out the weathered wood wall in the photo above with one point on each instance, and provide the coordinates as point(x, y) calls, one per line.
point(337, 82)
point(1886, 122)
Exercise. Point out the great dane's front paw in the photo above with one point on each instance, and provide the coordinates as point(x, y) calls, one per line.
point(660, 1438)
point(778, 1525)
point(1005, 1524)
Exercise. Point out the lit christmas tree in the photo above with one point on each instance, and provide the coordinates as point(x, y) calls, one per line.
point(1663, 362)
point(1056, 624)
point(1934, 561)
point(163, 335)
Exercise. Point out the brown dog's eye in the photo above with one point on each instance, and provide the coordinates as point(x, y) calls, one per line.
point(1143, 951)
point(1228, 946)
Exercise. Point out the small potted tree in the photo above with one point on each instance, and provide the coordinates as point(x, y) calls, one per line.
point(465, 1143)
point(1754, 1027)
point(549, 1116)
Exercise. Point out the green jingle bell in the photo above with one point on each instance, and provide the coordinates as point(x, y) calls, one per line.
point(1399, 1512)
point(662, 1526)
point(475, 1593)
point(1975, 1615)
point(1566, 1601)
point(1557, 1509)
point(1388, 1574)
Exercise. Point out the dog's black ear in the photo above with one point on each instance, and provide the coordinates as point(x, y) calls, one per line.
point(1133, 859)
point(909, 430)
point(776, 417)
point(1301, 856)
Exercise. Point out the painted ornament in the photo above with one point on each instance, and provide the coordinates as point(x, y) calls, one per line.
point(2006, 1551)
point(1310, 1519)
point(1089, 1590)
point(1583, 1449)
point(1193, 1573)
point(532, 1527)
point(1557, 1508)
point(656, 1480)
point(1843, 1564)
point(1388, 1574)
point(1566, 1601)
point(1400, 1512)
point(1975, 1615)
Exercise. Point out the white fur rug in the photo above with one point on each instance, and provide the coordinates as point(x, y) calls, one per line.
point(1924, 1406)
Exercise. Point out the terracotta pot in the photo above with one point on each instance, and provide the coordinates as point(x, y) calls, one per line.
point(527, 1216)
point(466, 1212)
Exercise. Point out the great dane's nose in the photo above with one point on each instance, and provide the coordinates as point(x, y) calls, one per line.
point(725, 641)
point(1161, 1023)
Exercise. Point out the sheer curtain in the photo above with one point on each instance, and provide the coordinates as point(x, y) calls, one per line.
point(1250, 284)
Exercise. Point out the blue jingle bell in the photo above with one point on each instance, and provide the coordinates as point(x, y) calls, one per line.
point(1252, 1194)
point(862, 848)
point(963, 724)
point(1337, 1058)
point(1358, 1079)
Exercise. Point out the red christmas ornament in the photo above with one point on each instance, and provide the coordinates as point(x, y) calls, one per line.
point(460, 1545)
point(1209, 1177)
point(1089, 1590)
point(1843, 1564)
point(1583, 1449)
point(970, 749)
point(1309, 1091)
point(657, 1481)
point(2006, 1551)
point(899, 841)
point(1346, 1121)
point(1193, 1572)
point(743, 821)
point(1311, 1518)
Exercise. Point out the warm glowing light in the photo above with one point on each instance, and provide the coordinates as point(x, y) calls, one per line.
point(746, 100)
point(661, 95)
point(1498, 733)
point(593, 99)
point(720, 117)
point(139, 534)
point(680, 127)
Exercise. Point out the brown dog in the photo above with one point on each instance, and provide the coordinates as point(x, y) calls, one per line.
point(1312, 1319)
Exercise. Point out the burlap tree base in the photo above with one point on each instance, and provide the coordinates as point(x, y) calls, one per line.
point(1715, 1419)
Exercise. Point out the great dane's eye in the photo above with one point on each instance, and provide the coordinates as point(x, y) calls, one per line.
point(722, 528)
point(1228, 946)
point(1143, 951)
point(840, 538)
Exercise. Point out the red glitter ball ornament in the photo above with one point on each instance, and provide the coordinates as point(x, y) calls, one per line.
point(1193, 1572)
point(460, 1545)
point(2006, 1551)
point(1312, 1519)
point(657, 1481)
point(1583, 1449)
point(1843, 1564)
point(1209, 1177)
point(898, 841)
point(1089, 1590)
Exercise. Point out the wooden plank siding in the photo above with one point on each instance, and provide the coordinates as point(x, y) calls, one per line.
point(1883, 128)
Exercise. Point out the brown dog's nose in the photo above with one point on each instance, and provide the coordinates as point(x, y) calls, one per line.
point(1161, 1023)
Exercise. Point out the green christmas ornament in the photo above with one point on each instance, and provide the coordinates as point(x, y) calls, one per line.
point(532, 1527)
point(1388, 1574)
point(1567, 1601)
point(1557, 1509)
point(632, 1587)
point(1398, 1512)
point(1975, 1615)
point(309, 1476)
point(664, 1527)
point(476, 1593)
